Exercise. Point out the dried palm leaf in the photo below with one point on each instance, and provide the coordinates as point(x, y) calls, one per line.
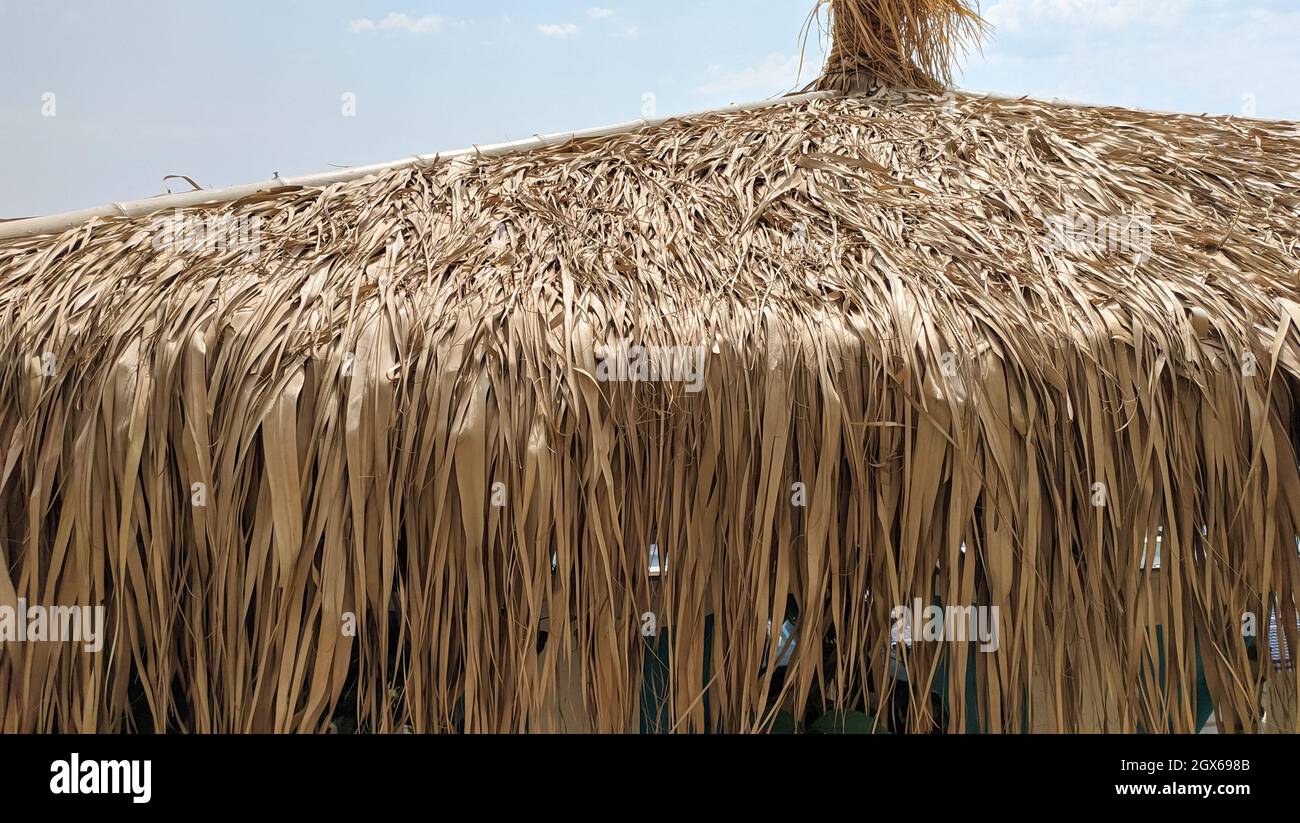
point(386, 413)
point(907, 43)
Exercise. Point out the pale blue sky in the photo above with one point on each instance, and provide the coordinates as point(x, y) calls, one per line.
point(231, 91)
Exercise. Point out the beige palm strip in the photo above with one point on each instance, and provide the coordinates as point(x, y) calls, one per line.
point(391, 400)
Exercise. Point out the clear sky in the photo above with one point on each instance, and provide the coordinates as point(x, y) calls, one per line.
point(233, 91)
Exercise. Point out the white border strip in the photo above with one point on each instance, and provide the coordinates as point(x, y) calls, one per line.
point(56, 223)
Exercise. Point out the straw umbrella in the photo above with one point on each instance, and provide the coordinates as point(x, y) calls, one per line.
point(392, 445)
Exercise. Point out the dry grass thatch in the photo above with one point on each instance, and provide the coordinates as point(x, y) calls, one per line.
point(909, 43)
point(391, 402)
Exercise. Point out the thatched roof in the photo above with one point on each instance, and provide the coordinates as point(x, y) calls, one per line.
point(978, 413)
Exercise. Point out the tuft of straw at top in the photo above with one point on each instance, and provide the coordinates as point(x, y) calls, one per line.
point(904, 43)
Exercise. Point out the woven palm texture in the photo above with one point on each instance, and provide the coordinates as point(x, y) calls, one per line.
point(393, 407)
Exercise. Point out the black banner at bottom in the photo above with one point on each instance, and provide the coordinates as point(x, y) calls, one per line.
point(129, 775)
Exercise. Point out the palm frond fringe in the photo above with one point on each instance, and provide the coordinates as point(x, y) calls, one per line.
point(389, 409)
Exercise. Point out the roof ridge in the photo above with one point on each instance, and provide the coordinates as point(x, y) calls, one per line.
point(54, 223)
point(51, 224)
